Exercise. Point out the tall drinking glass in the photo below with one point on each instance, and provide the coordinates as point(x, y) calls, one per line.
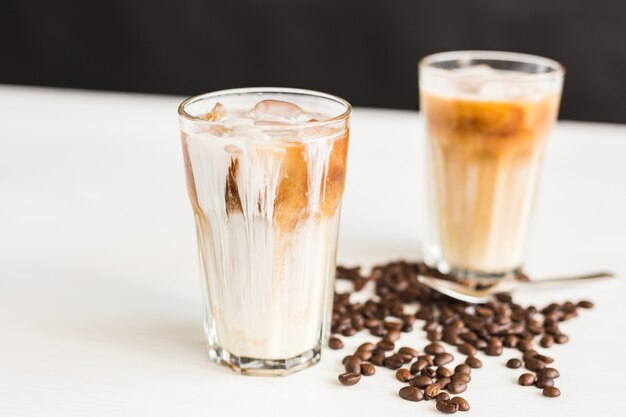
point(265, 174)
point(488, 116)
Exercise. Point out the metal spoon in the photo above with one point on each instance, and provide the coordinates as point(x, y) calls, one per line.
point(469, 294)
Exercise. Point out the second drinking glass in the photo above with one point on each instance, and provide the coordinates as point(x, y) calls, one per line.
point(487, 115)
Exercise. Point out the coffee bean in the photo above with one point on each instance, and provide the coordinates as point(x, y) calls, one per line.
point(363, 355)
point(348, 358)
point(534, 327)
point(420, 381)
point(480, 344)
point(411, 394)
point(443, 382)
point(466, 349)
point(493, 350)
point(428, 358)
point(495, 341)
point(393, 362)
point(546, 341)
point(548, 372)
point(526, 379)
point(430, 326)
point(434, 348)
point(424, 313)
point(442, 396)
point(464, 368)
point(392, 336)
point(524, 345)
point(443, 358)
point(443, 372)
point(451, 338)
point(385, 345)
point(561, 338)
point(392, 325)
point(543, 358)
point(419, 365)
point(483, 311)
point(544, 382)
point(371, 322)
point(457, 386)
point(350, 331)
point(504, 297)
point(366, 347)
point(405, 357)
point(335, 343)
point(569, 315)
point(408, 351)
point(468, 336)
point(461, 376)
point(429, 372)
point(510, 341)
point(434, 335)
point(432, 390)
point(461, 402)
point(529, 354)
point(551, 327)
point(513, 363)
point(377, 351)
point(585, 304)
point(473, 362)
point(447, 407)
point(403, 375)
point(568, 306)
point(378, 360)
point(534, 364)
point(377, 331)
point(551, 392)
point(353, 365)
point(368, 369)
point(349, 378)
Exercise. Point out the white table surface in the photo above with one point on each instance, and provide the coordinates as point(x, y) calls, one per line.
point(100, 304)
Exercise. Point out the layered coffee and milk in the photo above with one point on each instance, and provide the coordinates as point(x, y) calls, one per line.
point(486, 135)
point(266, 183)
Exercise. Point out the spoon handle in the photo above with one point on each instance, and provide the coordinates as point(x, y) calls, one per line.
point(556, 282)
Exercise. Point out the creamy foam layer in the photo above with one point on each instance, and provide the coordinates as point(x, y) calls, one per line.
point(267, 216)
point(482, 82)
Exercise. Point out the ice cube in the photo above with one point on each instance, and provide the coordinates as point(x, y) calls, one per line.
point(488, 82)
point(218, 113)
point(278, 111)
point(217, 130)
point(481, 70)
point(269, 123)
point(243, 121)
point(233, 149)
point(500, 90)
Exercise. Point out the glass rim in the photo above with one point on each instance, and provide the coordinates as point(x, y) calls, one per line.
point(557, 70)
point(345, 115)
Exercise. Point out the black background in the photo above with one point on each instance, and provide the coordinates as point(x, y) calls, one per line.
point(365, 51)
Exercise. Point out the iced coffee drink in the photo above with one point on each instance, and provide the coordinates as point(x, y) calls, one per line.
point(487, 116)
point(265, 174)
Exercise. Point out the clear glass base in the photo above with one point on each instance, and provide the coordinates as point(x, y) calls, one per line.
point(472, 276)
point(264, 367)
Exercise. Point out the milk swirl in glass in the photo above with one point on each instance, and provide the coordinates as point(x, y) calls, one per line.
point(265, 174)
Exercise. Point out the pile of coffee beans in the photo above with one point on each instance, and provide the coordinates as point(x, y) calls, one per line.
point(488, 328)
